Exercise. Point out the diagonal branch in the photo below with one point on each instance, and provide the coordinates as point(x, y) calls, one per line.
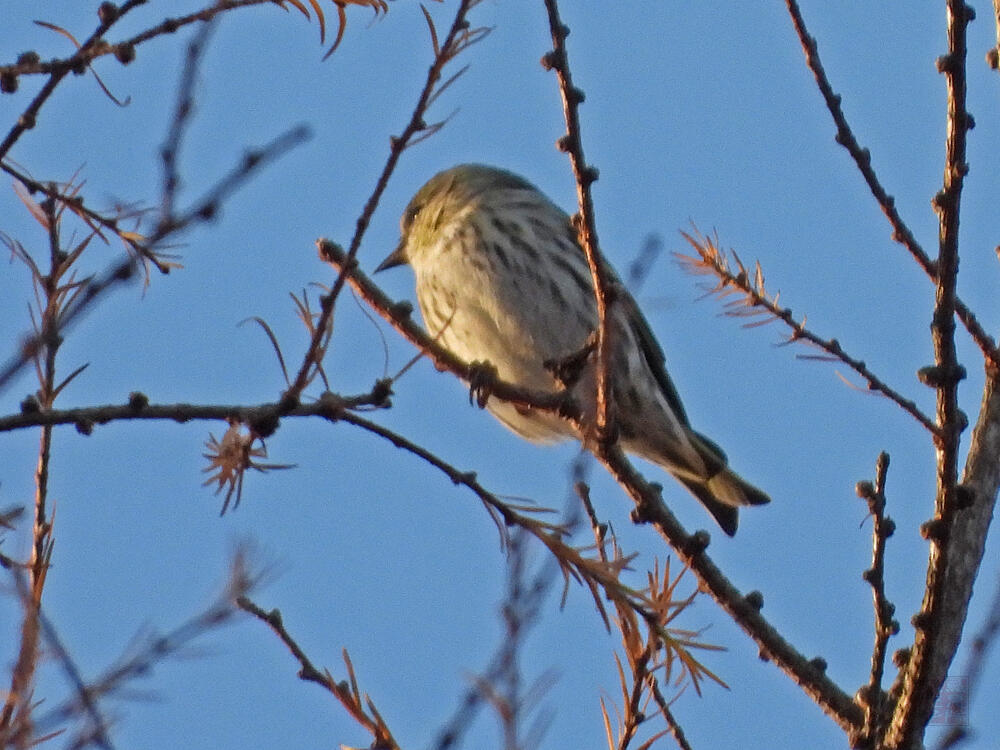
point(809, 674)
point(29, 117)
point(361, 708)
point(459, 38)
point(754, 299)
point(122, 270)
point(831, 698)
point(397, 314)
point(862, 157)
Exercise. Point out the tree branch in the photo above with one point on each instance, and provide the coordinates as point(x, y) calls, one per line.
point(872, 697)
point(809, 674)
point(938, 625)
point(585, 223)
point(459, 37)
point(862, 157)
point(397, 314)
point(757, 301)
point(831, 698)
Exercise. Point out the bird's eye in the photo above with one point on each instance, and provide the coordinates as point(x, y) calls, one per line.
point(410, 215)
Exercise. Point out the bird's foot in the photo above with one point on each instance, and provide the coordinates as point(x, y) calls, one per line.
point(482, 377)
point(567, 370)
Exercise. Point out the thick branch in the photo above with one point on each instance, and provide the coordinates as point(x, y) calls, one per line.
point(828, 695)
point(939, 623)
point(966, 536)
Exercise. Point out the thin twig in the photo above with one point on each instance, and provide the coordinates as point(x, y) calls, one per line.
point(98, 730)
point(522, 606)
point(756, 300)
point(459, 38)
point(642, 654)
point(152, 648)
point(521, 611)
point(600, 576)
point(584, 221)
point(51, 300)
point(206, 208)
point(124, 51)
point(676, 731)
point(872, 698)
point(503, 514)
point(594, 575)
point(361, 708)
point(94, 219)
point(29, 117)
point(181, 118)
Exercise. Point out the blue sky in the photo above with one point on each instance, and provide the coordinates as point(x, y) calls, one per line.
point(699, 113)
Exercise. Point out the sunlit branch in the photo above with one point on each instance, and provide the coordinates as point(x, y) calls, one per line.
point(753, 299)
point(584, 221)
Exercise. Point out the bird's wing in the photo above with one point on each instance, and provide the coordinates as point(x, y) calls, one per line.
point(652, 353)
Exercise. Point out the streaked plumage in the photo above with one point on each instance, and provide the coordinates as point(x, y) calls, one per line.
point(501, 278)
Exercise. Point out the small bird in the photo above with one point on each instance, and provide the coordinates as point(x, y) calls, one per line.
point(501, 279)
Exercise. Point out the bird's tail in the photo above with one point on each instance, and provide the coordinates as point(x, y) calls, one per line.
point(723, 491)
point(723, 494)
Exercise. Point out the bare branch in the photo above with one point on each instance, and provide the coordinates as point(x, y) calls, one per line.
point(809, 674)
point(973, 672)
point(152, 649)
point(872, 698)
point(122, 270)
point(361, 708)
point(29, 117)
point(754, 300)
point(650, 508)
point(51, 300)
point(933, 647)
point(182, 116)
point(862, 157)
point(584, 222)
point(459, 37)
point(397, 314)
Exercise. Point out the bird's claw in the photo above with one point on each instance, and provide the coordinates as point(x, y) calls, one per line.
point(567, 369)
point(482, 376)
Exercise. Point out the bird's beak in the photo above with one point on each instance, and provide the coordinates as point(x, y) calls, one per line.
point(396, 258)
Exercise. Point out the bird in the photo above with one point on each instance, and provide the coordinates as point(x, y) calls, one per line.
point(501, 278)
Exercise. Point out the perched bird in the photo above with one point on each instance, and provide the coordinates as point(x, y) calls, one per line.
point(501, 278)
